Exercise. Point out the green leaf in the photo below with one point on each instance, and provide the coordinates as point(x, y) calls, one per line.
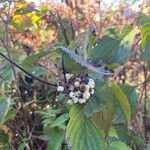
point(88, 43)
point(106, 47)
point(144, 21)
point(145, 34)
point(112, 132)
point(28, 62)
point(83, 64)
point(103, 119)
point(146, 54)
point(5, 68)
point(11, 114)
point(7, 72)
point(97, 101)
point(3, 50)
point(125, 47)
point(56, 140)
point(4, 138)
point(22, 146)
point(4, 108)
point(126, 136)
point(82, 133)
point(132, 96)
point(38, 71)
point(62, 97)
point(123, 133)
point(123, 101)
point(118, 145)
point(139, 141)
point(71, 66)
point(125, 30)
point(60, 120)
point(92, 42)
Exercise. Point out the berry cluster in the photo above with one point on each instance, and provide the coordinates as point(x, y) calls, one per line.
point(78, 88)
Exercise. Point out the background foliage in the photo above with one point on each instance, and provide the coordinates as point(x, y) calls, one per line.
point(39, 45)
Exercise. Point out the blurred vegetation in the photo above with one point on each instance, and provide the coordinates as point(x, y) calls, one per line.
point(40, 46)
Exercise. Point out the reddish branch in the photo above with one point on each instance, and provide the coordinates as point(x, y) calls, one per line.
point(145, 99)
point(67, 43)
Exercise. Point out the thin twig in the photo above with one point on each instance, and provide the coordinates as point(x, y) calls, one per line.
point(29, 74)
point(145, 99)
point(67, 43)
point(63, 67)
point(63, 29)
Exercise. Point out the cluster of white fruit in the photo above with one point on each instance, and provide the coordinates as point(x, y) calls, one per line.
point(79, 88)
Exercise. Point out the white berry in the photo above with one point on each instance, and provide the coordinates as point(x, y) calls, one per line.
point(77, 93)
point(78, 79)
point(76, 84)
point(60, 88)
point(86, 95)
point(87, 88)
point(72, 94)
point(91, 83)
point(75, 99)
point(68, 76)
point(92, 91)
point(91, 80)
point(70, 101)
point(81, 101)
